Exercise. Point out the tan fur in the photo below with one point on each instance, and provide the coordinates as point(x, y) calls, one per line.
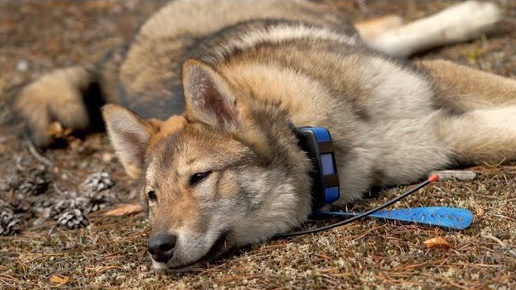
point(374, 28)
point(458, 23)
point(463, 88)
point(218, 160)
point(488, 106)
point(56, 95)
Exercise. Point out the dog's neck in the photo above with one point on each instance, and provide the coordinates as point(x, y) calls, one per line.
point(318, 145)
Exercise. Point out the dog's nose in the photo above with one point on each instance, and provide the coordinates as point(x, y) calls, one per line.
point(161, 247)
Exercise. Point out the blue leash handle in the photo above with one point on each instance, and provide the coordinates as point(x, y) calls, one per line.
point(447, 217)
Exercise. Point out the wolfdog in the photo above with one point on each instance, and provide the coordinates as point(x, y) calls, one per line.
point(204, 103)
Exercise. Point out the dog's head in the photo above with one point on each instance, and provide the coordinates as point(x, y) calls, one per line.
point(226, 173)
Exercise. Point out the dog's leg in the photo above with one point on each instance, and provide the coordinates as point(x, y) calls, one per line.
point(71, 96)
point(373, 28)
point(479, 112)
point(56, 96)
point(461, 88)
point(480, 136)
point(459, 23)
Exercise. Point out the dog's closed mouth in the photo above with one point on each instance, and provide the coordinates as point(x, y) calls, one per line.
point(218, 248)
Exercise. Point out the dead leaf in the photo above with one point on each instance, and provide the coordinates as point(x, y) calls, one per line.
point(56, 130)
point(59, 280)
point(125, 209)
point(58, 133)
point(437, 242)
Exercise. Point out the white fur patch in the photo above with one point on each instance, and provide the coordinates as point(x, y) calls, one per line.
point(458, 23)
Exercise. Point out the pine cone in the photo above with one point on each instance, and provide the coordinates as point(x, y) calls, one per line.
point(99, 201)
point(65, 205)
point(20, 205)
point(11, 182)
point(73, 219)
point(35, 183)
point(98, 181)
point(42, 203)
point(95, 188)
point(9, 223)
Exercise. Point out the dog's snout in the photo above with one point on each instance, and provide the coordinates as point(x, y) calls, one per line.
point(161, 247)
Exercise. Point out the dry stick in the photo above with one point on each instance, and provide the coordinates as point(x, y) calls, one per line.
point(57, 189)
point(35, 154)
point(504, 246)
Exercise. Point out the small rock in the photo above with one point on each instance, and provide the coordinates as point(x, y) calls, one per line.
point(23, 65)
point(107, 157)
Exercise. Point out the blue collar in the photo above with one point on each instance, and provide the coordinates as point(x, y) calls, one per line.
point(318, 145)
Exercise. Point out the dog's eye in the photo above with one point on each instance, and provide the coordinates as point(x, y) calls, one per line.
point(198, 177)
point(151, 195)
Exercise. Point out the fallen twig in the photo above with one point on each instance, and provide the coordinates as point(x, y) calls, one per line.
point(37, 155)
point(462, 175)
point(504, 246)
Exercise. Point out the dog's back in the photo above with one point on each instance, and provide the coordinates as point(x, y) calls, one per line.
point(185, 29)
point(145, 74)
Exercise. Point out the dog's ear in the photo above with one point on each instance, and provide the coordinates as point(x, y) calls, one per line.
point(129, 135)
point(207, 96)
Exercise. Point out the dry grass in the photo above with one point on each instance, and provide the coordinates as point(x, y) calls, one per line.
point(110, 253)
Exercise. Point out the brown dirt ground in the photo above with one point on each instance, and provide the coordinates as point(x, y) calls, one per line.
point(37, 36)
